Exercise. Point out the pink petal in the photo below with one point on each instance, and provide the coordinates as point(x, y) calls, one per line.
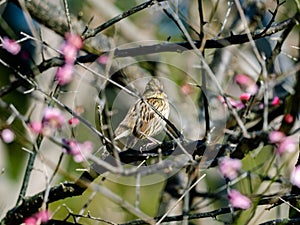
point(276, 136)
point(30, 221)
point(43, 216)
point(78, 158)
point(53, 117)
point(187, 89)
point(74, 121)
point(36, 127)
point(286, 145)
point(79, 150)
point(230, 167)
point(275, 101)
point(246, 83)
point(235, 104)
point(245, 97)
point(7, 136)
point(74, 147)
point(70, 53)
point(64, 74)
point(103, 59)
point(237, 200)
point(74, 40)
point(11, 46)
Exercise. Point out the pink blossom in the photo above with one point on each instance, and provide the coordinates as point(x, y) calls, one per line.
point(53, 117)
point(276, 136)
point(275, 101)
point(245, 97)
point(238, 200)
point(64, 74)
point(38, 218)
point(79, 150)
point(283, 143)
point(286, 145)
point(295, 176)
point(229, 168)
point(7, 136)
point(288, 118)
point(43, 215)
point(74, 121)
point(103, 59)
point(30, 221)
point(187, 89)
point(246, 83)
point(69, 52)
point(36, 127)
point(71, 47)
point(74, 40)
point(11, 46)
point(235, 104)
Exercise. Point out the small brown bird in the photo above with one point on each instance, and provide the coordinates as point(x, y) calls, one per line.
point(142, 121)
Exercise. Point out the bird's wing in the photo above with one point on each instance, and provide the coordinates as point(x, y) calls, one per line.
point(125, 127)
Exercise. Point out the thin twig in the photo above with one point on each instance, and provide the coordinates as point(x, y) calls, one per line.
point(230, 4)
point(274, 13)
point(211, 74)
point(67, 12)
point(92, 33)
point(181, 197)
point(201, 20)
point(32, 158)
point(126, 205)
point(248, 32)
point(262, 63)
point(88, 202)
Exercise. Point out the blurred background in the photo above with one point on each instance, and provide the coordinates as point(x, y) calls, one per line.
point(179, 73)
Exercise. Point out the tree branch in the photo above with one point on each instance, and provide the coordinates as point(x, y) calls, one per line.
point(174, 47)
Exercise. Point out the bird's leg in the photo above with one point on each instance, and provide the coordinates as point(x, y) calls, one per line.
point(152, 143)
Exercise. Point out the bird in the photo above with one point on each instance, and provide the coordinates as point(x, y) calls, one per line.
point(141, 120)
